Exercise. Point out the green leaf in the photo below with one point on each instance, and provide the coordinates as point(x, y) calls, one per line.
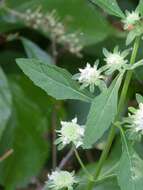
point(140, 7)
point(33, 51)
point(109, 168)
point(102, 113)
point(108, 184)
point(139, 98)
point(57, 82)
point(110, 6)
point(5, 101)
point(25, 135)
point(130, 37)
point(130, 176)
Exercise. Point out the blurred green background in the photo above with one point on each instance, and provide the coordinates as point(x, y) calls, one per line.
point(27, 114)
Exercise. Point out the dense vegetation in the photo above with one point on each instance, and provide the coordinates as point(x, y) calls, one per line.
point(42, 46)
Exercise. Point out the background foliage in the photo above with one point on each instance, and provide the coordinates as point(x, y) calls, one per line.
point(26, 111)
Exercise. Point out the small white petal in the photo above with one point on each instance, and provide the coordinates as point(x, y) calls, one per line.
point(115, 60)
point(61, 179)
point(89, 76)
point(70, 132)
point(74, 120)
point(131, 19)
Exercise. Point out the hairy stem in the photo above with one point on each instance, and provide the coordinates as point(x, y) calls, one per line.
point(120, 108)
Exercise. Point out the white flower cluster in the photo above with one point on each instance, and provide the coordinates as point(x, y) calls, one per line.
point(138, 119)
point(131, 19)
point(50, 23)
point(115, 60)
point(134, 123)
point(70, 132)
point(92, 76)
point(89, 76)
point(59, 180)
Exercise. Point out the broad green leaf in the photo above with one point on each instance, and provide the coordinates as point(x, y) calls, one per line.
point(57, 82)
point(140, 7)
point(102, 113)
point(110, 6)
point(25, 135)
point(5, 101)
point(33, 51)
point(130, 176)
point(91, 32)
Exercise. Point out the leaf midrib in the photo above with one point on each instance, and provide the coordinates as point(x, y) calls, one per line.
point(60, 84)
point(112, 10)
point(103, 110)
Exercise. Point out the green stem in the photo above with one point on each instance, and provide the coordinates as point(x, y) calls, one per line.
point(83, 166)
point(120, 107)
point(128, 77)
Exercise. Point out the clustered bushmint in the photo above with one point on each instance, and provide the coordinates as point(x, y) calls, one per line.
point(70, 132)
point(131, 19)
point(91, 76)
point(61, 179)
point(134, 123)
point(115, 60)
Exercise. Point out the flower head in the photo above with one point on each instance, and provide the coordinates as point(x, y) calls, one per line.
point(135, 122)
point(89, 76)
point(61, 179)
point(131, 19)
point(115, 60)
point(138, 119)
point(71, 132)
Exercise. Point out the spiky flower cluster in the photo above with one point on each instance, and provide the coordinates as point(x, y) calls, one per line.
point(135, 122)
point(50, 24)
point(70, 132)
point(138, 119)
point(89, 76)
point(131, 19)
point(115, 60)
point(59, 180)
point(92, 76)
